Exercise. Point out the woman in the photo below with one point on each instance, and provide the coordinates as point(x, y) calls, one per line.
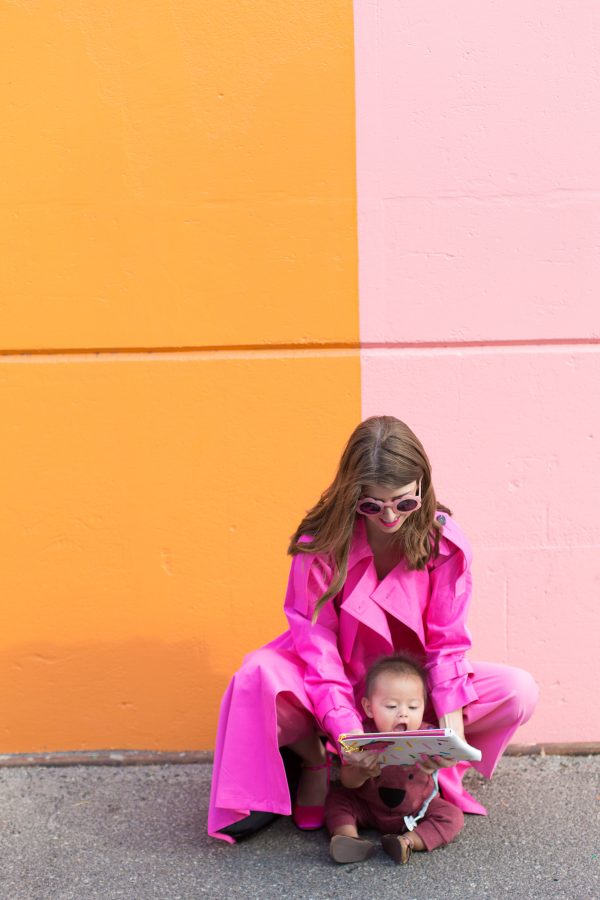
point(378, 567)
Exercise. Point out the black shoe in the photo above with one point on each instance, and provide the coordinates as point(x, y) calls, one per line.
point(245, 828)
point(258, 820)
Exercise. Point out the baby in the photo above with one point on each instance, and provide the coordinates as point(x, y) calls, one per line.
point(392, 798)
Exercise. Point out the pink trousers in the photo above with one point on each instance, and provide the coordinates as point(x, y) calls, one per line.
point(266, 707)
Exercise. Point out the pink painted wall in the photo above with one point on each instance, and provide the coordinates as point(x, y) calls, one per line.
point(478, 145)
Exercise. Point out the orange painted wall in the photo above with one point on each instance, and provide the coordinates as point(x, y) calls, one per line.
point(178, 324)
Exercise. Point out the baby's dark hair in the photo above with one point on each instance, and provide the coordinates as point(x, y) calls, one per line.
point(398, 664)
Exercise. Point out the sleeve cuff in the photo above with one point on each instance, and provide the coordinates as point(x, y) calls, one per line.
point(339, 721)
point(442, 672)
point(448, 696)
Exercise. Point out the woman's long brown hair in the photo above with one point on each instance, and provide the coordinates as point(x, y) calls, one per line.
point(382, 450)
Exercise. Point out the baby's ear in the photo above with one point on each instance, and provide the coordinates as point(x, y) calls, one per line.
point(366, 705)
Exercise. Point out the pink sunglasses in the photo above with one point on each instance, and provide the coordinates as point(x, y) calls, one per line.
point(367, 506)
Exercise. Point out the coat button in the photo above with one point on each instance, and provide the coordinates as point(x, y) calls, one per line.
point(441, 519)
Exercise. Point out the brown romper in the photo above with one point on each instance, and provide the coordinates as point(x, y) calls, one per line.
point(383, 802)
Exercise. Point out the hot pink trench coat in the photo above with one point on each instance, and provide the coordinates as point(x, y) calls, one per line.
point(322, 666)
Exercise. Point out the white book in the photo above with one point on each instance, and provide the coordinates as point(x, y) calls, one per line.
point(405, 748)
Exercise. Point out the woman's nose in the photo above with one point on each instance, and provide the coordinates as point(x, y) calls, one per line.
point(389, 514)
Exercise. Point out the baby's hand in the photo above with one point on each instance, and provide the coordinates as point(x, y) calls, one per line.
point(371, 764)
point(357, 773)
point(430, 764)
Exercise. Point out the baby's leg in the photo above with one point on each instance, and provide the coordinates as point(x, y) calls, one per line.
point(441, 824)
point(342, 813)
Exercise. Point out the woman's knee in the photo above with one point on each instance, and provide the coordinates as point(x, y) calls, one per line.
point(523, 694)
point(294, 721)
point(507, 695)
point(263, 659)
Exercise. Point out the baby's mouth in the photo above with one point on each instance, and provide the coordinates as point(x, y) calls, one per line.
point(400, 727)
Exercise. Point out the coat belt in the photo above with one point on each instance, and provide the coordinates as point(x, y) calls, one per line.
point(447, 671)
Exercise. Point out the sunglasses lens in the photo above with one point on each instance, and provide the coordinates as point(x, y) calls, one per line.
point(405, 506)
point(368, 508)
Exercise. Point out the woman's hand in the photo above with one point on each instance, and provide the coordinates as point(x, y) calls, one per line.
point(361, 759)
point(453, 720)
point(364, 760)
point(349, 757)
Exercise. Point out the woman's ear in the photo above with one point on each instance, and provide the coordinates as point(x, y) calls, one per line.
point(366, 705)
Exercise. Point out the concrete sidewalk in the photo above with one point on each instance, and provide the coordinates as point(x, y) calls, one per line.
point(87, 832)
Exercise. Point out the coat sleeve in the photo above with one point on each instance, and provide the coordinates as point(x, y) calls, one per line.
point(325, 680)
point(447, 637)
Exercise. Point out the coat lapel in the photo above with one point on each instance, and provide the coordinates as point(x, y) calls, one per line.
point(403, 594)
point(358, 607)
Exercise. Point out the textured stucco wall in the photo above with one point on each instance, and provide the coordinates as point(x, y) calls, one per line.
point(179, 282)
point(479, 224)
point(180, 324)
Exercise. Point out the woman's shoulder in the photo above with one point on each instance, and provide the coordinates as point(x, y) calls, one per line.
point(305, 549)
point(452, 537)
point(307, 559)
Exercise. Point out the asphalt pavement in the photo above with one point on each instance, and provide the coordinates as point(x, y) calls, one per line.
point(139, 832)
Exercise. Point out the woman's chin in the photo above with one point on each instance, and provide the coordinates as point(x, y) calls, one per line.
point(390, 529)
